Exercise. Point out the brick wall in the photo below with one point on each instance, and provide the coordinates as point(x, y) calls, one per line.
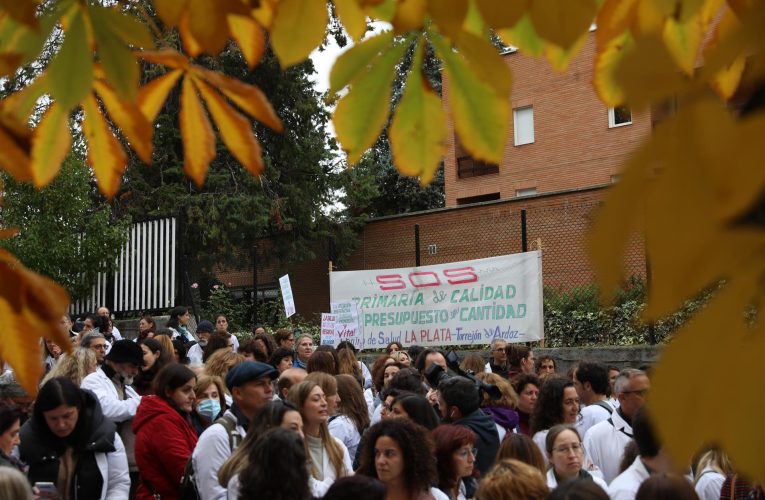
point(573, 148)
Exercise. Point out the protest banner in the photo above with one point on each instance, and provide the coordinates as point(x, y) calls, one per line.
point(289, 300)
point(347, 323)
point(460, 303)
point(328, 329)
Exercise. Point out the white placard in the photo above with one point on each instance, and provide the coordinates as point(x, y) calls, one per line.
point(347, 323)
point(328, 329)
point(289, 300)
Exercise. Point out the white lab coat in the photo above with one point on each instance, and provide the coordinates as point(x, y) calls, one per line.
point(319, 488)
point(211, 451)
point(591, 415)
point(116, 409)
point(605, 444)
point(626, 484)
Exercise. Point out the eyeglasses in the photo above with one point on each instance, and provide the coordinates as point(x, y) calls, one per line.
point(499, 349)
point(99, 346)
point(641, 392)
point(575, 447)
point(464, 453)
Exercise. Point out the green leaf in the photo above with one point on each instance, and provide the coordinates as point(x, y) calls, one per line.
point(118, 62)
point(485, 62)
point(355, 60)
point(128, 28)
point(418, 130)
point(481, 116)
point(524, 37)
point(362, 112)
point(71, 72)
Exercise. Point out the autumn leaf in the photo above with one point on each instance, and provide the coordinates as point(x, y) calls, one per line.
point(71, 71)
point(485, 62)
point(105, 155)
point(523, 36)
point(128, 117)
point(117, 60)
point(683, 40)
point(502, 14)
point(22, 11)
point(449, 15)
point(480, 115)
point(170, 11)
point(250, 38)
point(31, 307)
point(607, 59)
point(15, 144)
point(208, 21)
point(197, 133)
point(353, 18)
point(559, 58)
point(51, 142)
point(410, 15)
point(234, 129)
point(614, 18)
point(124, 26)
point(299, 27)
point(355, 60)
point(363, 111)
point(152, 96)
point(418, 130)
point(563, 22)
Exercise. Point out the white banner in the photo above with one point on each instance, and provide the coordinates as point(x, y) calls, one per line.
point(461, 303)
point(347, 323)
point(289, 300)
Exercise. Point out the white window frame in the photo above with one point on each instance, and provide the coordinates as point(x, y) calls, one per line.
point(612, 118)
point(521, 193)
point(518, 139)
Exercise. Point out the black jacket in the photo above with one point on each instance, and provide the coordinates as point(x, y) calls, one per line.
point(486, 438)
point(41, 449)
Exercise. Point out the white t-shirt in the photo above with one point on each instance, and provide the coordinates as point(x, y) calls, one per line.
point(709, 484)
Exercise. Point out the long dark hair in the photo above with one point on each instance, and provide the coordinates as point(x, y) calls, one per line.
point(418, 408)
point(352, 403)
point(56, 392)
point(145, 379)
point(170, 378)
point(278, 468)
point(549, 408)
point(173, 322)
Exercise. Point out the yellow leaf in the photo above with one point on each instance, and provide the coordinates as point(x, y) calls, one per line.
point(128, 117)
point(502, 14)
point(165, 57)
point(117, 60)
point(31, 307)
point(448, 15)
point(410, 15)
point(418, 130)
point(485, 62)
point(152, 96)
point(563, 22)
point(614, 18)
point(208, 22)
point(384, 10)
point(523, 37)
point(234, 129)
point(355, 60)
point(560, 58)
point(726, 81)
point(248, 97)
point(680, 10)
point(683, 41)
point(725, 56)
point(105, 155)
point(170, 11)
point(474, 23)
point(264, 12)
point(607, 59)
point(363, 111)
point(249, 36)
point(197, 133)
point(353, 18)
point(647, 19)
point(299, 28)
point(481, 116)
point(51, 142)
point(190, 44)
point(71, 71)
point(15, 146)
point(647, 73)
point(21, 104)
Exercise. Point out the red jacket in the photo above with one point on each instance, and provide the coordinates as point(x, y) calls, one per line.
point(164, 441)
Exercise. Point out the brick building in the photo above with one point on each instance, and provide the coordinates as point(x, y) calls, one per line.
point(564, 148)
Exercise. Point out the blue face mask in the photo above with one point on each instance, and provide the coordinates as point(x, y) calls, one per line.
point(209, 408)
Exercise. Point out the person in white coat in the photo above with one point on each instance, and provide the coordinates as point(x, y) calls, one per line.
point(591, 383)
point(119, 402)
point(250, 385)
point(328, 457)
point(69, 442)
point(565, 453)
point(710, 469)
point(196, 352)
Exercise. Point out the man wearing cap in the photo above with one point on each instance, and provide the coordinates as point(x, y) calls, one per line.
point(204, 330)
point(119, 402)
point(249, 383)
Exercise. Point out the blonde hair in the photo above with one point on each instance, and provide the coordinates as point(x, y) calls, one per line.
point(297, 396)
point(75, 366)
point(510, 478)
point(13, 484)
point(326, 381)
point(348, 364)
point(474, 363)
point(166, 342)
point(220, 362)
point(714, 458)
point(509, 397)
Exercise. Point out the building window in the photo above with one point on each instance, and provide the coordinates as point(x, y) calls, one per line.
point(523, 125)
point(469, 167)
point(525, 192)
point(478, 199)
point(619, 116)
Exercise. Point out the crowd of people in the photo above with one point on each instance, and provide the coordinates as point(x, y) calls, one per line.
point(176, 414)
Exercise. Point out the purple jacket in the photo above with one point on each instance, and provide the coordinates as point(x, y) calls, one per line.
point(503, 416)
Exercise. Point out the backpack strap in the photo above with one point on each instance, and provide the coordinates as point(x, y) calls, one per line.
point(605, 406)
point(611, 421)
point(234, 438)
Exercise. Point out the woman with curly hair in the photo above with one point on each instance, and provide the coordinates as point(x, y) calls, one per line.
point(277, 469)
point(328, 456)
point(75, 366)
point(455, 456)
point(558, 403)
point(352, 418)
point(400, 453)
